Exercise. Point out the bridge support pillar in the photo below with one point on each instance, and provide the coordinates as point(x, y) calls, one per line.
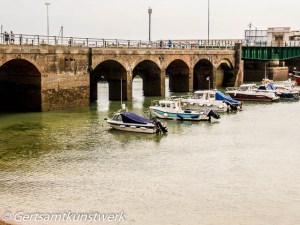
point(191, 79)
point(163, 82)
point(255, 70)
point(129, 85)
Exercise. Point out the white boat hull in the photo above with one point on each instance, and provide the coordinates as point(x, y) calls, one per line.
point(174, 116)
point(147, 128)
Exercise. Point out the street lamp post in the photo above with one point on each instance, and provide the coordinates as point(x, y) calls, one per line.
point(149, 12)
point(208, 21)
point(47, 4)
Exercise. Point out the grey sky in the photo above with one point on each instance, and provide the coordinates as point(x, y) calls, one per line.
point(172, 19)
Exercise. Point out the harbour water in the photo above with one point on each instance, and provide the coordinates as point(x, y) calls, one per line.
point(243, 169)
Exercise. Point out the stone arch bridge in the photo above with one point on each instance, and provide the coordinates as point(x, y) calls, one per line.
point(42, 78)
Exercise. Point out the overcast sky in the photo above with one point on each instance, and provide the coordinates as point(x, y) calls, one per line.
point(128, 19)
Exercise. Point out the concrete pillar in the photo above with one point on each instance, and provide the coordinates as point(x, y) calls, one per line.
point(129, 85)
point(163, 82)
point(255, 70)
point(214, 82)
point(191, 79)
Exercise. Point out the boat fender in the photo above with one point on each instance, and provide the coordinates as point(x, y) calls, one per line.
point(166, 114)
point(192, 103)
point(221, 107)
point(208, 105)
point(184, 104)
point(201, 105)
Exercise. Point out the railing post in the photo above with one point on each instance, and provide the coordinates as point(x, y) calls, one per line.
point(128, 43)
point(117, 43)
point(87, 42)
point(140, 44)
point(180, 45)
point(205, 45)
point(55, 40)
point(21, 39)
point(38, 37)
point(226, 44)
point(103, 46)
point(96, 44)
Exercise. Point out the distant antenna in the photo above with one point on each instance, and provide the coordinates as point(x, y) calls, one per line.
point(121, 93)
point(61, 33)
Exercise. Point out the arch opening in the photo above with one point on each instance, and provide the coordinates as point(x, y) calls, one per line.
point(225, 74)
point(202, 70)
point(178, 72)
point(20, 86)
point(112, 72)
point(151, 75)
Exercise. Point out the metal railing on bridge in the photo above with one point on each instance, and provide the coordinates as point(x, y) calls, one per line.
point(271, 50)
point(42, 40)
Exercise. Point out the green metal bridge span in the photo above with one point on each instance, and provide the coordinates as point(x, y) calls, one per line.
point(270, 53)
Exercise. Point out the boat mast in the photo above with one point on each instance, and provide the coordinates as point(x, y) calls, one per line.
point(265, 71)
point(121, 93)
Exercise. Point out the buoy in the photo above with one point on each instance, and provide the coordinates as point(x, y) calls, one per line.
point(166, 114)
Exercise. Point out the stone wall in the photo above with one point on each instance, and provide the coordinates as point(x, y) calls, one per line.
point(65, 76)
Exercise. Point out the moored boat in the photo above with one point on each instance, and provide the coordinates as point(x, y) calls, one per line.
point(131, 122)
point(171, 109)
point(249, 92)
point(282, 91)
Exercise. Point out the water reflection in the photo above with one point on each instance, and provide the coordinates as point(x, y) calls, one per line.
point(242, 169)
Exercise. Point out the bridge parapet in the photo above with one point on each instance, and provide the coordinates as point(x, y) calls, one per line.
point(65, 76)
point(42, 40)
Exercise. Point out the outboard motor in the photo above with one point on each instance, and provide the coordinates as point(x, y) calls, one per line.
point(233, 107)
point(211, 113)
point(160, 126)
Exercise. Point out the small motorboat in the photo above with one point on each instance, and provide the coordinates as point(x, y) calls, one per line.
point(204, 99)
point(297, 77)
point(171, 109)
point(282, 91)
point(212, 99)
point(250, 92)
point(131, 122)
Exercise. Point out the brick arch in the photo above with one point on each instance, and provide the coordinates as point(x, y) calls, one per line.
point(20, 85)
point(224, 73)
point(150, 72)
point(170, 60)
point(178, 71)
point(113, 71)
point(226, 61)
point(203, 69)
point(137, 62)
point(26, 59)
point(93, 67)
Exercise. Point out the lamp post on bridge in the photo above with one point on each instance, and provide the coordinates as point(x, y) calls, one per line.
point(149, 12)
point(47, 4)
point(208, 21)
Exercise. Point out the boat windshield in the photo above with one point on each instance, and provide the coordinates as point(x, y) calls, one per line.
point(117, 117)
point(198, 95)
point(244, 88)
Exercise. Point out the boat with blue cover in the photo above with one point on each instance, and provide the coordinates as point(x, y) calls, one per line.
point(280, 90)
point(131, 122)
point(171, 109)
point(212, 99)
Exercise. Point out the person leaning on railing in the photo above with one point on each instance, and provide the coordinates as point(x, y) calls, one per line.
point(6, 37)
point(12, 37)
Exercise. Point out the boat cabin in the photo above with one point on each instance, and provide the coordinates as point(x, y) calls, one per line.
point(169, 104)
point(205, 95)
point(117, 117)
point(247, 87)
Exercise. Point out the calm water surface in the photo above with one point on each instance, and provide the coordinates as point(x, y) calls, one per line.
point(243, 169)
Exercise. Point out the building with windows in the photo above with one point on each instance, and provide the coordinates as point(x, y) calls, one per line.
point(275, 36)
